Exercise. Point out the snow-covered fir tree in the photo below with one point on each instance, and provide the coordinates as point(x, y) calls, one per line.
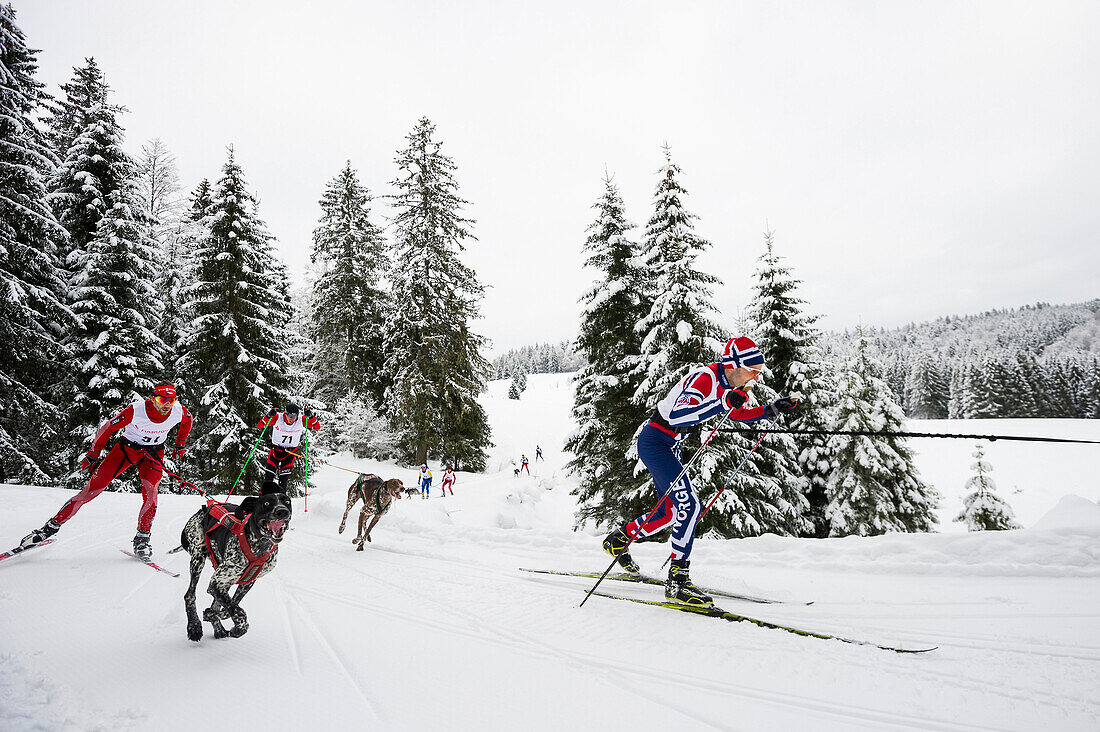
point(354, 426)
point(983, 509)
point(80, 210)
point(33, 314)
point(603, 405)
point(434, 366)
point(112, 266)
point(518, 385)
point(349, 305)
point(874, 486)
point(234, 364)
point(927, 387)
point(794, 368)
point(86, 90)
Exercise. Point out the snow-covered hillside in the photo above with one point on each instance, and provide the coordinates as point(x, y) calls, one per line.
point(433, 627)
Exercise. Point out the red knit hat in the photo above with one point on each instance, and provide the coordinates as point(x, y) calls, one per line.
point(741, 352)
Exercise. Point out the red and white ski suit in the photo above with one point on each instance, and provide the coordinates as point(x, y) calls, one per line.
point(144, 431)
point(285, 438)
point(448, 482)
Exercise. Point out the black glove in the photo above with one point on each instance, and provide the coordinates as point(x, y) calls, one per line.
point(308, 412)
point(734, 399)
point(273, 411)
point(782, 405)
point(90, 462)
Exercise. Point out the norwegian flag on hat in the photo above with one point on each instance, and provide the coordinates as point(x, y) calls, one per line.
point(741, 352)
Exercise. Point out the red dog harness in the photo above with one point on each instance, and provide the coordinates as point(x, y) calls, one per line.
point(227, 520)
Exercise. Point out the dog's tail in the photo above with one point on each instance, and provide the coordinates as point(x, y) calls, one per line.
point(177, 549)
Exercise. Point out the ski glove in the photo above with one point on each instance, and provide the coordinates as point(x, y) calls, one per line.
point(273, 412)
point(783, 405)
point(734, 399)
point(90, 461)
point(308, 412)
point(177, 452)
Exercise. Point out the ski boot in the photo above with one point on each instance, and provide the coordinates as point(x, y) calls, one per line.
point(39, 535)
point(678, 587)
point(616, 545)
point(142, 548)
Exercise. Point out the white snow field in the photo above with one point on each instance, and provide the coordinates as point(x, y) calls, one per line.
point(433, 627)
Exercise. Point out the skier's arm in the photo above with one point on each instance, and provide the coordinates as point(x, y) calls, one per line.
point(734, 399)
point(310, 421)
point(110, 427)
point(184, 431)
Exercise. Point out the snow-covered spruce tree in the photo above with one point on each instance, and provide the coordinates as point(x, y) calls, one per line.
point(355, 427)
point(434, 366)
point(349, 306)
point(112, 265)
point(86, 90)
point(794, 367)
point(78, 210)
point(927, 388)
point(513, 389)
point(234, 364)
point(603, 406)
point(33, 314)
point(983, 510)
point(874, 487)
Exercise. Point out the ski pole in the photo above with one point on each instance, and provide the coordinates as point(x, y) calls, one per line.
point(630, 539)
point(305, 459)
point(246, 462)
point(868, 433)
point(727, 485)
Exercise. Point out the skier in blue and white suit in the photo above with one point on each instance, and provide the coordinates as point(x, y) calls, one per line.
point(705, 392)
point(424, 480)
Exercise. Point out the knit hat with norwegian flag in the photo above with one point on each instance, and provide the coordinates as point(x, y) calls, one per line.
point(741, 352)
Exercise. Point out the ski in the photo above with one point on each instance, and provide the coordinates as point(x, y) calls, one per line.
point(20, 549)
point(150, 563)
point(713, 611)
point(621, 577)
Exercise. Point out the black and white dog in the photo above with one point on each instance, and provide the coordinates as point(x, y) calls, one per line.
point(242, 543)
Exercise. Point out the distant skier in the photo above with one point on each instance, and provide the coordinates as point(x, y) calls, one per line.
point(538, 454)
point(424, 480)
point(448, 481)
point(523, 465)
point(145, 425)
point(286, 434)
point(705, 392)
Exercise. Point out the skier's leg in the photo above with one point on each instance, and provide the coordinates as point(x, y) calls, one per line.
point(150, 474)
point(116, 463)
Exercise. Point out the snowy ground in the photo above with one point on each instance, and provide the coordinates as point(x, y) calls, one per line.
point(432, 626)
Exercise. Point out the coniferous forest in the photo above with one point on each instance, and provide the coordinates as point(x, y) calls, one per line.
point(117, 276)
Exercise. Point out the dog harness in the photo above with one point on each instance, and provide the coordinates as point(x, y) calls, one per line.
point(225, 518)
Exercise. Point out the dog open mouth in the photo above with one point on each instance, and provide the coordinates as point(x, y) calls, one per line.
point(276, 527)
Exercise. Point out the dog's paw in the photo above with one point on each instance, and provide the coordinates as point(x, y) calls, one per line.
point(220, 632)
point(238, 630)
point(194, 631)
point(340, 530)
point(368, 537)
point(359, 548)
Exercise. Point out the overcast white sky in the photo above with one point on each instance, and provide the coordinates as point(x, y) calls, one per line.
point(914, 159)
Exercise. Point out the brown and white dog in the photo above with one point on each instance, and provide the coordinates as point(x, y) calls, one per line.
point(377, 494)
point(243, 546)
